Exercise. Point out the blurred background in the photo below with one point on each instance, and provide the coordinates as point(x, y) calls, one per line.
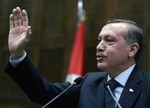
point(53, 29)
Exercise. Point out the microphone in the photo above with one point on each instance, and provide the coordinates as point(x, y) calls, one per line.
point(77, 81)
point(107, 86)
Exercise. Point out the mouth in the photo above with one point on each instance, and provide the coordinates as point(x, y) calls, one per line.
point(100, 56)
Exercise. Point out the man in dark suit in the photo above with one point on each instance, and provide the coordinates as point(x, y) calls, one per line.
point(119, 48)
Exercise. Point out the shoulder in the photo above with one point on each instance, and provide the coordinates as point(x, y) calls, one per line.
point(96, 74)
point(139, 74)
point(146, 76)
point(94, 77)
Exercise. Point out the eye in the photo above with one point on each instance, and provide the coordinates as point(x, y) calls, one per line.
point(99, 39)
point(110, 41)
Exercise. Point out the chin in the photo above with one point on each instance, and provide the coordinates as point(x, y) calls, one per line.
point(101, 66)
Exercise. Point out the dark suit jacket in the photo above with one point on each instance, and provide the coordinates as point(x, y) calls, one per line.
point(89, 94)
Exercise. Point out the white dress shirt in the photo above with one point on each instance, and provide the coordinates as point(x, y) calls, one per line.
point(17, 61)
point(122, 79)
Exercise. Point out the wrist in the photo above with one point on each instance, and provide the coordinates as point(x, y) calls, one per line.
point(15, 62)
point(17, 55)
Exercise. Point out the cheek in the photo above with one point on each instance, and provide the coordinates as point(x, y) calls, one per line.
point(119, 52)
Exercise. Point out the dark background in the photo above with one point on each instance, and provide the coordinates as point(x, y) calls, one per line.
point(53, 25)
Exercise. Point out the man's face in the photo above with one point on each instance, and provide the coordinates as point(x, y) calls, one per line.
point(112, 50)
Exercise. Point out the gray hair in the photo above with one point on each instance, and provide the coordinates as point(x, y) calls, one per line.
point(134, 34)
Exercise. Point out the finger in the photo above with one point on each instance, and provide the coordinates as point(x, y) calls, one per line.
point(19, 16)
point(28, 31)
point(11, 21)
point(15, 18)
point(25, 18)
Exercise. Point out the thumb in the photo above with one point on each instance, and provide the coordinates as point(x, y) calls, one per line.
point(28, 31)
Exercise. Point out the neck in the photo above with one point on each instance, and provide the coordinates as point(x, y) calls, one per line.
point(113, 73)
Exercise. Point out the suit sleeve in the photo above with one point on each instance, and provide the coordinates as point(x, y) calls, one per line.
point(38, 89)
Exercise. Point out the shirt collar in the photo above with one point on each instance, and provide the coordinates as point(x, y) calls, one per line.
point(123, 77)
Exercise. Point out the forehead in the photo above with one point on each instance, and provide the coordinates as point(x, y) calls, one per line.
point(114, 29)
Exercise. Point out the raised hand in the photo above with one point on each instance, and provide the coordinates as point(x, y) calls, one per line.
point(19, 32)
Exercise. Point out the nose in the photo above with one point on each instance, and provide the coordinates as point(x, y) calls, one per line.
point(101, 46)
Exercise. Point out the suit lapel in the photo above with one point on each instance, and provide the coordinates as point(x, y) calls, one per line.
point(132, 89)
point(100, 96)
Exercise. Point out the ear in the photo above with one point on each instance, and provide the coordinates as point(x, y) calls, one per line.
point(133, 49)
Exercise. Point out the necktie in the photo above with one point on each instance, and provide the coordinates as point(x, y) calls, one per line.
point(110, 103)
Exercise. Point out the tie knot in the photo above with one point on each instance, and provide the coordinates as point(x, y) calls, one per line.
point(113, 84)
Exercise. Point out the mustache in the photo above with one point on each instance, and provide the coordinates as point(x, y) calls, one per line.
point(100, 54)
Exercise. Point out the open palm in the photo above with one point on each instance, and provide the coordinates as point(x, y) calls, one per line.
point(19, 32)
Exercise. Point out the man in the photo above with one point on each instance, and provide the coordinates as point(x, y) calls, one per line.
point(119, 48)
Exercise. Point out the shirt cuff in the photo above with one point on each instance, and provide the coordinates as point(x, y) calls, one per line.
point(17, 61)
